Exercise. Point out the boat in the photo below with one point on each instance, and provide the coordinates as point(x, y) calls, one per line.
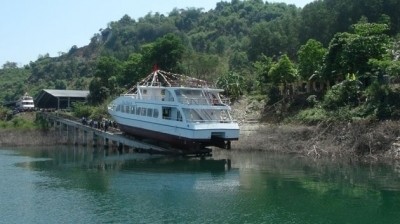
point(175, 109)
point(25, 103)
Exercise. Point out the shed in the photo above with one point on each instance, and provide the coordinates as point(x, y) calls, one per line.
point(59, 99)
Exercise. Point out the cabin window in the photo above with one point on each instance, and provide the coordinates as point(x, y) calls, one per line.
point(155, 113)
point(143, 111)
point(118, 108)
point(138, 109)
point(122, 108)
point(145, 91)
point(133, 109)
point(127, 109)
point(166, 113)
point(150, 112)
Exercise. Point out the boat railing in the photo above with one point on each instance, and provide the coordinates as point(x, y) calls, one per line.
point(134, 95)
point(203, 101)
point(150, 97)
point(157, 98)
point(209, 121)
point(193, 101)
point(183, 100)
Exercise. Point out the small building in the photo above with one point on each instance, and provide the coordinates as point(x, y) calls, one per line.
point(59, 99)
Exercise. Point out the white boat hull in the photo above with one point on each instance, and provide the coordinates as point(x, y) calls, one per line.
point(184, 136)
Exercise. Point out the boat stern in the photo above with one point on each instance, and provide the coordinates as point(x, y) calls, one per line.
point(220, 135)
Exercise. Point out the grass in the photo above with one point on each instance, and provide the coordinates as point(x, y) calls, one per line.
point(21, 121)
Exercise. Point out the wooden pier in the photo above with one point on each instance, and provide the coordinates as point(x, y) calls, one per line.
point(79, 134)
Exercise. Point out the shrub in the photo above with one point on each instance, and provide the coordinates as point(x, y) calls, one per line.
point(18, 123)
point(273, 94)
point(82, 110)
point(311, 116)
point(5, 114)
point(346, 93)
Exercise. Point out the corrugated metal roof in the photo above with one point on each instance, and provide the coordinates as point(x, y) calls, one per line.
point(67, 93)
point(54, 98)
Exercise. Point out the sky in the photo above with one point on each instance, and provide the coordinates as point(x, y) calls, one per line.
point(29, 28)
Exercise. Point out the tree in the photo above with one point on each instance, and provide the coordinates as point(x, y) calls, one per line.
point(262, 68)
point(186, 19)
point(165, 52)
point(60, 84)
point(310, 60)
point(232, 83)
point(283, 71)
point(317, 20)
point(345, 93)
point(133, 70)
point(350, 53)
point(97, 92)
point(10, 65)
point(276, 37)
point(107, 69)
point(238, 61)
point(202, 66)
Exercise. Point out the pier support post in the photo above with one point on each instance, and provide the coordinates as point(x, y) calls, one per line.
point(126, 148)
point(94, 139)
point(60, 127)
point(114, 144)
point(68, 137)
point(120, 147)
point(106, 143)
point(85, 138)
point(228, 164)
point(76, 136)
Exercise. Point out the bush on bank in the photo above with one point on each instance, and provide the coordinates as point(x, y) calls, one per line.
point(80, 110)
point(19, 123)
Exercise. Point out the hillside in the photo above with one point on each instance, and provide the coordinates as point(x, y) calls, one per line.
point(13, 83)
point(246, 47)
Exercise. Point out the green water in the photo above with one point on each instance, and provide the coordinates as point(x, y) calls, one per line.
point(84, 185)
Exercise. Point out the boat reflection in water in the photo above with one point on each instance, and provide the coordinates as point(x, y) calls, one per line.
point(94, 168)
point(103, 159)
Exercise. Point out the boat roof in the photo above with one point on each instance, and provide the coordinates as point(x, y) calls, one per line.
point(159, 78)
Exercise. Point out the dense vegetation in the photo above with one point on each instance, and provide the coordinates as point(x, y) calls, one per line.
point(332, 59)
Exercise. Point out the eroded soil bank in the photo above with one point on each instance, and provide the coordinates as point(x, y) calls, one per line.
point(361, 140)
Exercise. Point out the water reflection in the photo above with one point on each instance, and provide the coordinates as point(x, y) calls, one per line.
point(102, 159)
point(92, 168)
point(243, 187)
point(321, 190)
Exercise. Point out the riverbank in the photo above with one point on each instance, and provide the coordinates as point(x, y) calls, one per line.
point(366, 140)
point(374, 141)
point(362, 140)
